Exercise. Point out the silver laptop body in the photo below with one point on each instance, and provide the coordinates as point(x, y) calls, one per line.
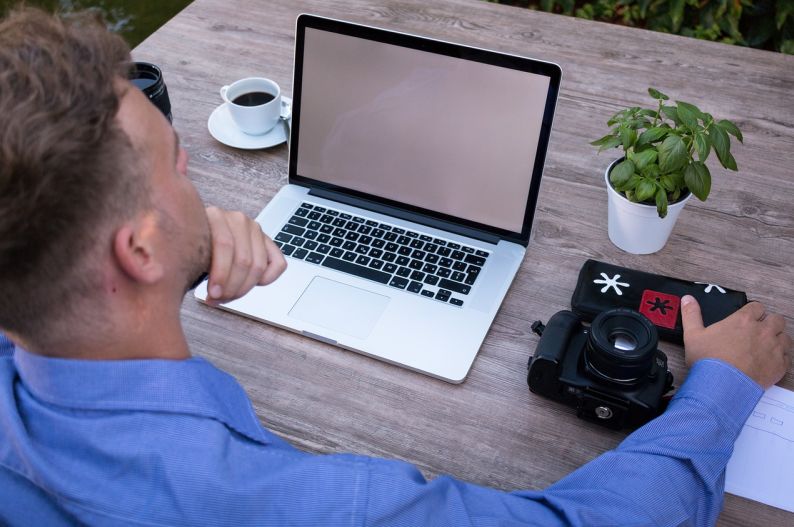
point(414, 171)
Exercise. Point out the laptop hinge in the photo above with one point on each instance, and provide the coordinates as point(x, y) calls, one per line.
point(405, 215)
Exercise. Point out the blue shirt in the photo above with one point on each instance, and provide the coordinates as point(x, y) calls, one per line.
point(156, 442)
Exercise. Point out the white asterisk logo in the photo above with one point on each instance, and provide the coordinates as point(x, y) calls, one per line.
point(709, 287)
point(611, 282)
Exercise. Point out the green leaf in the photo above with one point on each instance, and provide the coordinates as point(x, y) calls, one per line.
point(644, 158)
point(672, 154)
point(676, 195)
point(661, 202)
point(731, 129)
point(628, 137)
point(729, 162)
point(698, 179)
point(676, 14)
point(787, 46)
point(599, 142)
point(611, 143)
point(652, 134)
point(645, 190)
point(687, 116)
point(621, 172)
point(783, 9)
point(668, 183)
point(702, 145)
point(656, 94)
point(671, 113)
point(721, 143)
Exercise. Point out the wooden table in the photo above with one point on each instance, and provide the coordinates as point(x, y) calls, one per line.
point(490, 430)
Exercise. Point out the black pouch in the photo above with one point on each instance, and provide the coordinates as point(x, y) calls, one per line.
point(604, 286)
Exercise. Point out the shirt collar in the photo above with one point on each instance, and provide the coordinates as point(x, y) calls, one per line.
point(191, 386)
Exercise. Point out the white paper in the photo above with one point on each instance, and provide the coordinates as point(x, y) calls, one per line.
point(762, 465)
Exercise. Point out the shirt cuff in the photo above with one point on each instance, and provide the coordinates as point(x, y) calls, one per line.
point(728, 392)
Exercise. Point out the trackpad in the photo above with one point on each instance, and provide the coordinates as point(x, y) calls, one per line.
point(340, 307)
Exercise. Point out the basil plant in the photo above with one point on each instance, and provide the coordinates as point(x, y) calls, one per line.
point(659, 149)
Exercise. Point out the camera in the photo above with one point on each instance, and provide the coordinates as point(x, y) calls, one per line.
point(611, 371)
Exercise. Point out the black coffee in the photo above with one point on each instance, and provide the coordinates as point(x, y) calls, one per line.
point(254, 98)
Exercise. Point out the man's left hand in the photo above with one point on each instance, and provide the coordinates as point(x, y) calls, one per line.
point(242, 256)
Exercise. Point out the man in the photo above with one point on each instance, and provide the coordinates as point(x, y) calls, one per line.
point(105, 419)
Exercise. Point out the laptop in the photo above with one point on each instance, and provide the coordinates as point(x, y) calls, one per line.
point(414, 169)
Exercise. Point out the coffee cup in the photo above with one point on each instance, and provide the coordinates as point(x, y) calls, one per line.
point(254, 103)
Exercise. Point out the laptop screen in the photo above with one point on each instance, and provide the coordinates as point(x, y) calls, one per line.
point(440, 133)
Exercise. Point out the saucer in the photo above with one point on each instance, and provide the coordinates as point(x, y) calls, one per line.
point(222, 127)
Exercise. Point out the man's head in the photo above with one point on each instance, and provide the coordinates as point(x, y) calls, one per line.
point(94, 200)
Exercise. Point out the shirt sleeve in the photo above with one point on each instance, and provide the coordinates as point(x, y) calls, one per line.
point(6, 346)
point(669, 472)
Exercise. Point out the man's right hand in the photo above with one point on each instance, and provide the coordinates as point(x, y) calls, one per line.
point(751, 339)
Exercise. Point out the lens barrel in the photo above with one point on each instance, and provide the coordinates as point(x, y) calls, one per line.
point(621, 346)
point(149, 79)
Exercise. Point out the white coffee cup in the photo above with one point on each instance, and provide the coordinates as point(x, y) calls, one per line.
point(254, 103)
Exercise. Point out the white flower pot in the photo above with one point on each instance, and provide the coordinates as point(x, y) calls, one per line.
point(636, 227)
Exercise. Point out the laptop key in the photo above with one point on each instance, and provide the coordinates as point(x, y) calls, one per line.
point(377, 233)
point(336, 242)
point(404, 250)
point(431, 247)
point(459, 266)
point(366, 240)
point(438, 241)
point(310, 235)
point(428, 292)
point(418, 275)
point(357, 270)
point(314, 215)
point(324, 238)
point(384, 227)
point(444, 251)
point(389, 257)
point(469, 250)
point(378, 243)
point(319, 209)
point(475, 260)
point(389, 267)
point(425, 238)
point(296, 220)
point(376, 264)
point(283, 237)
point(349, 256)
point(473, 269)
point(431, 279)
point(415, 287)
point(325, 218)
point(456, 302)
point(403, 260)
point(351, 225)
point(324, 249)
point(345, 216)
point(430, 268)
point(362, 249)
point(417, 244)
point(288, 249)
point(314, 258)
point(332, 213)
point(310, 245)
point(458, 276)
point(362, 260)
point(463, 289)
point(445, 262)
point(300, 254)
point(470, 279)
point(453, 245)
point(457, 255)
point(314, 225)
point(349, 246)
point(326, 229)
point(412, 234)
point(358, 219)
point(336, 252)
point(293, 229)
point(416, 264)
point(398, 230)
point(307, 205)
point(391, 247)
point(339, 222)
point(398, 282)
point(364, 229)
point(340, 233)
point(403, 271)
point(481, 253)
point(403, 240)
point(390, 236)
point(431, 258)
point(302, 212)
point(372, 223)
point(443, 272)
point(297, 242)
point(443, 295)
point(375, 253)
point(353, 236)
point(419, 255)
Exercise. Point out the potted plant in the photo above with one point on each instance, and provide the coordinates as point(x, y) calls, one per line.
point(659, 172)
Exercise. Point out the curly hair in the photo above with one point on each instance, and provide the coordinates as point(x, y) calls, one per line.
point(68, 172)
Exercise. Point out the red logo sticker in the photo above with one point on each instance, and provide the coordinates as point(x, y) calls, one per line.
point(660, 308)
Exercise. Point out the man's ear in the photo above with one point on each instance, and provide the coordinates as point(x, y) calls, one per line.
point(135, 249)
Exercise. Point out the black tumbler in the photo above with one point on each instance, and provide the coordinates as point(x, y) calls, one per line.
point(149, 79)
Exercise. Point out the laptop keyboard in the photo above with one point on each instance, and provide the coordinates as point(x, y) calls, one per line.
point(430, 267)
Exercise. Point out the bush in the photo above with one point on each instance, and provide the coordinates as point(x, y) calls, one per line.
point(764, 24)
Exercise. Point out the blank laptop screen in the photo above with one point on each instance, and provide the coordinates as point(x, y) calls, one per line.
point(440, 133)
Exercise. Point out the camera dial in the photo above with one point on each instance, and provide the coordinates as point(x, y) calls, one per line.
point(621, 346)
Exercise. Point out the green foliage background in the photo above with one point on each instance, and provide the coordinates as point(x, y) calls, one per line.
point(765, 24)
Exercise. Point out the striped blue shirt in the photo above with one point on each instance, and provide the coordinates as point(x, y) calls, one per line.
point(156, 442)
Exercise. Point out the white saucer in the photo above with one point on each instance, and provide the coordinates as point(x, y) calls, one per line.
point(222, 127)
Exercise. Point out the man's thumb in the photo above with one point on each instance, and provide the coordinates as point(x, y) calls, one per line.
point(691, 318)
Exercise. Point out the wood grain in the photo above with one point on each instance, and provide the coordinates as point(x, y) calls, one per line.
point(490, 429)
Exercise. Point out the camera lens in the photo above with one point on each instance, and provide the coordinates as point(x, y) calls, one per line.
point(149, 79)
point(621, 345)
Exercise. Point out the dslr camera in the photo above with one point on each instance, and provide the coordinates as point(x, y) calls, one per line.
point(611, 371)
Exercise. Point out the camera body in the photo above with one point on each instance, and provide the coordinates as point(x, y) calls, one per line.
point(611, 371)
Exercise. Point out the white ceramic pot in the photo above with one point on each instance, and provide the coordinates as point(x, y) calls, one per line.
point(636, 227)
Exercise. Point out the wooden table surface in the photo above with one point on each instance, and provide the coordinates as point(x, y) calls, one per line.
point(490, 430)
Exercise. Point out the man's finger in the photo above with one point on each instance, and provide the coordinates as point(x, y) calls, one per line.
point(276, 262)
point(222, 252)
point(691, 318)
point(755, 310)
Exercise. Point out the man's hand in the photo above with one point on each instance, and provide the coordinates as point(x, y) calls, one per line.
point(242, 256)
point(751, 339)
